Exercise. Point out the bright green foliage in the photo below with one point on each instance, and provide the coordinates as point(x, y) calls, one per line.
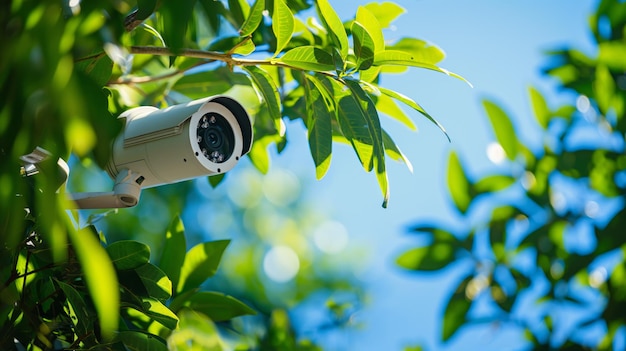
point(555, 220)
point(146, 298)
point(68, 70)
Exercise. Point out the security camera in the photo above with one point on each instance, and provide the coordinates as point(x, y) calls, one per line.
point(161, 146)
point(199, 138)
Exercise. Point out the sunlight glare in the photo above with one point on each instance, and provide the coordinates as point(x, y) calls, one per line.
point(281, 264)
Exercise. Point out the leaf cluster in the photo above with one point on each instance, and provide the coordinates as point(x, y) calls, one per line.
point(553, 229)
point(54, 305)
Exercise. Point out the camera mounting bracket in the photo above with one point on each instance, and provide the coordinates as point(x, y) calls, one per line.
point(126, 189)
point(125, 193)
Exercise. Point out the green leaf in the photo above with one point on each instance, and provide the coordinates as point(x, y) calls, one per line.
point(201, 262)
point(493, 183)
point(100, 278)
point(421, 50)
point(334, 25)
point(363, 46)
point(427, 258)
point(540, 107)
point(394, 151)
point(457, 307)
point(458, 184)
point(409, 102)
point(604, 88)
point(233, 45)
point(135, 340)
point(216, 180)
point(156, 310)
point(385, 12)
point(145, 8)
point(128, 254)
point(202, 84)
point(174, 250)
point(354, 127)
point(176, 16)
point(308, 58)
point(217, 306)
point(400, 58)
point(195, 332)
point(368, 111)
point(439, 254)
point(254, 19)
point(503, 128)
point(98, 69)
point(83, 319)
point(319, 118)
point(156, 282)
point(388, 106)
point(268, 90)
point(283, 25)
point(369, 21)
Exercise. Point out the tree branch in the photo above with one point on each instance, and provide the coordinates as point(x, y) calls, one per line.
point(209, 55)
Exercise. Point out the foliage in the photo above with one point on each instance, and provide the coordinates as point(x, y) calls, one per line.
point(67, 69)
point(546, 230)
point(50, 305)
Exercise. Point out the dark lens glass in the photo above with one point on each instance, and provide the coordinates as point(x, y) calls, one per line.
point(215, 137)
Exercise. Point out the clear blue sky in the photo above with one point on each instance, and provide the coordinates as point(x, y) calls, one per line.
point(497, 45)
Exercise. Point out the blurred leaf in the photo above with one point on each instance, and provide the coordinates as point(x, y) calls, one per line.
point(100, 277)
point(282, 24)
point(201, 262)
point(140, 341)
point(503, 128)
point(540, 107)
point(493, 183)
point(174, 250)
point(458, 183)
point(156, 282)
point(216, 180)
point(308, 58)
point(334, 27)
point(604, 88)
point(99, 69)
point(176, 16)
point(254, 18)
point(435, 256)
point(363, 46)
point(457, 307)
point(427, 258)
point(217, 306)
point(195, 332)
point(145, 8)
point(128, 254)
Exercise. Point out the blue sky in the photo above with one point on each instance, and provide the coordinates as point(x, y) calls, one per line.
point(497, 45)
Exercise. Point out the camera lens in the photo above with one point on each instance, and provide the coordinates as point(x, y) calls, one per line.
point(215, 137)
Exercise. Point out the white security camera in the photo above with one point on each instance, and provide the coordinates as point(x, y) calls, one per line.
point(161, 146)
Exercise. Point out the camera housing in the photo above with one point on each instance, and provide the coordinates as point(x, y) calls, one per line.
point(200, 138)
